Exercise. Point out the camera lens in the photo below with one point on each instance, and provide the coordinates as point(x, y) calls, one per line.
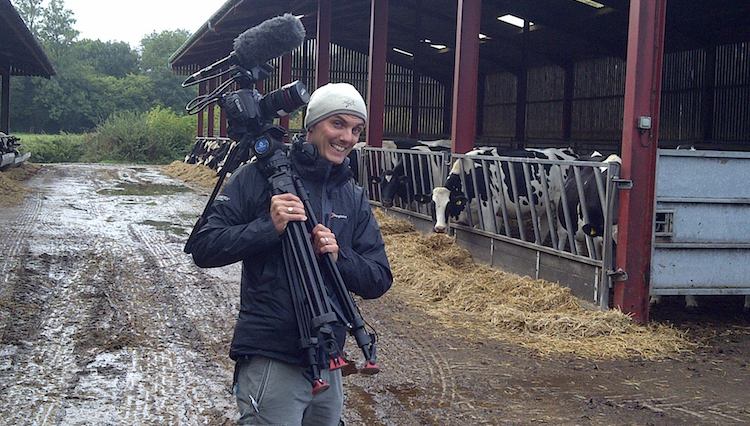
point(284, 100)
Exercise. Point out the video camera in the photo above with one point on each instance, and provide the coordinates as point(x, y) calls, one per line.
point(249, 112)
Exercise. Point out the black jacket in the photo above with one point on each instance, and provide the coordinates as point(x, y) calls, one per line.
point(239, 227)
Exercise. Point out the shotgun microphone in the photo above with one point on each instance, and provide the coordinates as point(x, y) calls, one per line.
point(257, 45)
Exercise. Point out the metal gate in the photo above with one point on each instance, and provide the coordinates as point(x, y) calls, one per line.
point(702, 223)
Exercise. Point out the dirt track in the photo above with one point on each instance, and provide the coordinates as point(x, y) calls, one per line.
point(103, 320)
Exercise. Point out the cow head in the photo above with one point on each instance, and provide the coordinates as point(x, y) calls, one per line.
point(392, 185)
point(448, 203)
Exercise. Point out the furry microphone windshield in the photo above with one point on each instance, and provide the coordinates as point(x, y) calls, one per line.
point(270, 39)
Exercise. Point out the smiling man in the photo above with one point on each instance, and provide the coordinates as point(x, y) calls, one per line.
point(336, 116)
point(272, 383)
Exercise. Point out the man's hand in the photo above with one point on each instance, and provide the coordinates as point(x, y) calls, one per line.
point(284, 209)
point(324, 241)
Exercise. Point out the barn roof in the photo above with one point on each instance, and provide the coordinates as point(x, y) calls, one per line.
point(19, 50)
point(563, 31)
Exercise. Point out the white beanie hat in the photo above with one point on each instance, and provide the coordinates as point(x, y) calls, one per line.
point(334, 98)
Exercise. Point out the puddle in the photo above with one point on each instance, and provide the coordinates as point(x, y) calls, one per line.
point(143, 189)
point(166, 227)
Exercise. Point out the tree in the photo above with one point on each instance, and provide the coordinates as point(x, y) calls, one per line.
point(114, 58)
point(155, 53)
point(94, 79)
point(56, 28)
point(30, 11)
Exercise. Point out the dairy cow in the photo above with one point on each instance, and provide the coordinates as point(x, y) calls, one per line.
point(512, 196)
point(210, 152)
point(584, 208)
point(412, 177)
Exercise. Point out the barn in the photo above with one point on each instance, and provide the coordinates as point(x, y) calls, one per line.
point(20, 55)
point(633, 78)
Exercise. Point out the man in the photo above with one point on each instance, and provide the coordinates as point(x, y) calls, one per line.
point(247, 224)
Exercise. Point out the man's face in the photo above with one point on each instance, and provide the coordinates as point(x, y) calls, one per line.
point(335, 136)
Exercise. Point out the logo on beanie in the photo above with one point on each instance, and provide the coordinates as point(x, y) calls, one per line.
point(348, 103)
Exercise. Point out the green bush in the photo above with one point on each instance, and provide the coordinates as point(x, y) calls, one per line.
point(61, 148)
point(176, 133)
point(157, 137)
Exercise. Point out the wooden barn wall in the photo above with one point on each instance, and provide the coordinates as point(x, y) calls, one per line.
point(705, 102)
point(598, 102)
point(499, 123)
point(398, 100)
point(544, 103)
point(432, 108)
point(731, 112)
point(351, 67)
point(682, 82)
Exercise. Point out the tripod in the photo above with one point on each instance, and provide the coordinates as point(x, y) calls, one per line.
point(314, 309)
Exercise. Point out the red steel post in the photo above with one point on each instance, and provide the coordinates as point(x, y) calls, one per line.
point(639, 144)
point(376, 72)
point(464, 118)
point(211, 110)
point(323, 63)
point(201, 92)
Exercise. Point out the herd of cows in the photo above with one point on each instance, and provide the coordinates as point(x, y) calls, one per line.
point(548, 196)
point(536, 195)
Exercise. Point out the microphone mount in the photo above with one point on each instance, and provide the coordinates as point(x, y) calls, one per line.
point(245, 79)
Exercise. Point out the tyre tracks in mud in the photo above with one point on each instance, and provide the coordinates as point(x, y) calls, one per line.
point(102, 324)
point(104, 320)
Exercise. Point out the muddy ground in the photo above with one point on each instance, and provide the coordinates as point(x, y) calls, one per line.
point(104, 320)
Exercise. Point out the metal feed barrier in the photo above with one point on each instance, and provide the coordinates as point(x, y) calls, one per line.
point(503, 231)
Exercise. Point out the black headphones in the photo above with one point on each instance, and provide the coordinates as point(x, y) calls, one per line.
point(306, 152)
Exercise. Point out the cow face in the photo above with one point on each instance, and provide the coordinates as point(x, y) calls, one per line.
point(591, 225)
point(441, 197)
point(392, 185)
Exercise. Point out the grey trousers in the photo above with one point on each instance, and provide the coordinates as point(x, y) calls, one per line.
point(271, 392)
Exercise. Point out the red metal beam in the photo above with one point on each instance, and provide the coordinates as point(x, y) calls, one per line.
point(376, 72)
point(211, 110)
point(323, 65)
point(464, 121)
point(201, 92)
point(642, 93)
point(286, 77)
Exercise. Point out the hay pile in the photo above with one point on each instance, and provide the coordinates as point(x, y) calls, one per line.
point(192, 173)
point(439, 276)
point(12, 189)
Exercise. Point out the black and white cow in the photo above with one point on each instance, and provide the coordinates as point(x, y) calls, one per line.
point(210, 152)
point(508, 188)
point(585, 209)
point(412, 177)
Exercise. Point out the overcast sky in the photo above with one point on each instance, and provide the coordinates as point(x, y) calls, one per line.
point(130, 20)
